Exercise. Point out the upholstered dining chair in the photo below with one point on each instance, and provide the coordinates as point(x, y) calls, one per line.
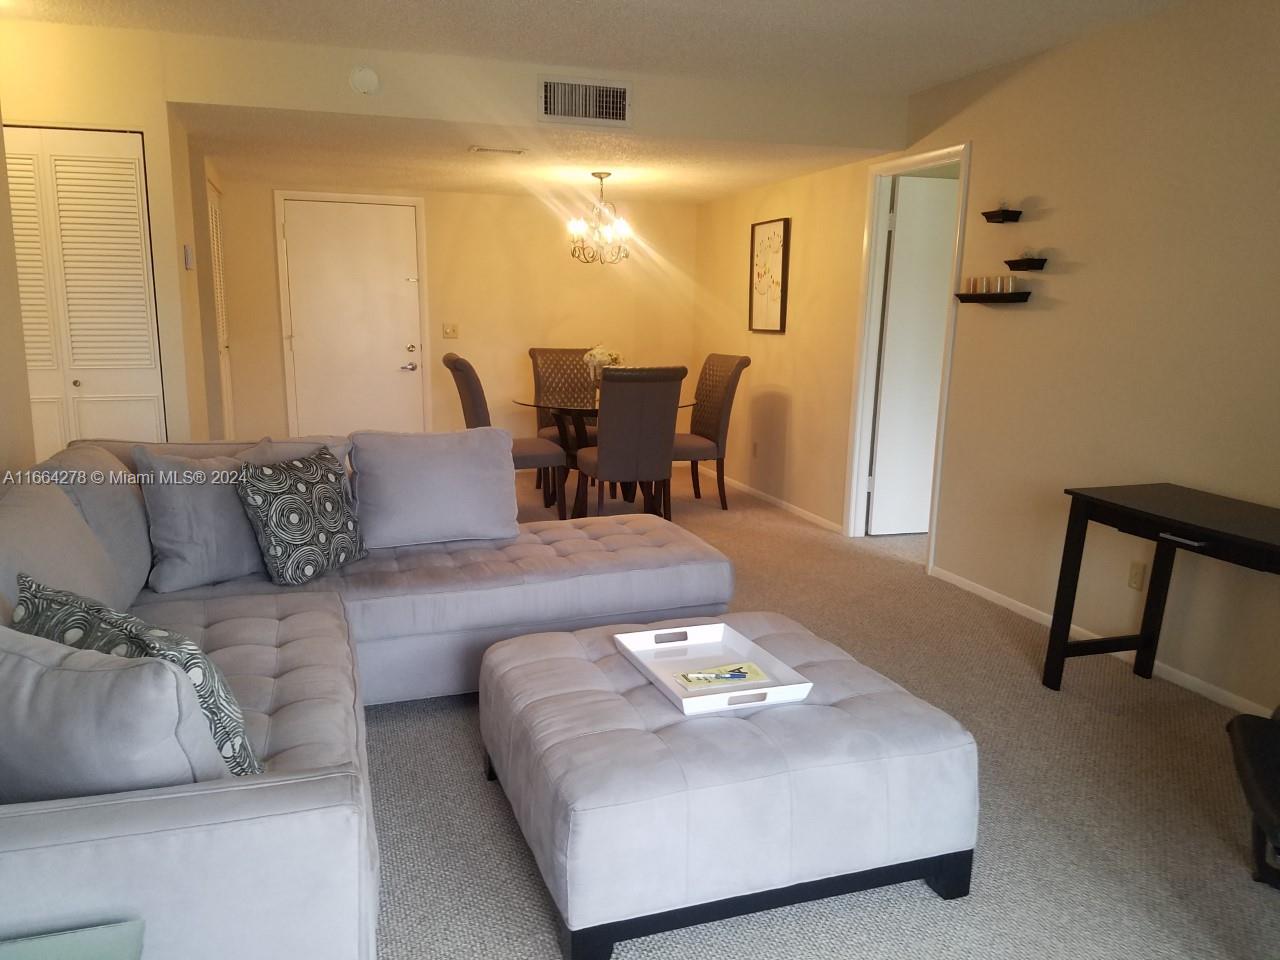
point(638, 408)
point(709, 426)
point(560, 374)
point(528, 453)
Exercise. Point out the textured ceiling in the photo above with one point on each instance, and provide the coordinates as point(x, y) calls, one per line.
point(874, 46)
point(320, 150)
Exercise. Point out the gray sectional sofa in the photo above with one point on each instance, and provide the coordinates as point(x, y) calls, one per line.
point(285, 863)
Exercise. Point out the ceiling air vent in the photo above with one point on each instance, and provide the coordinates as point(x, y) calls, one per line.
point(577, 101)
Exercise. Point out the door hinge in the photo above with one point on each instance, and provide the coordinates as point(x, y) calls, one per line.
point(893, 219)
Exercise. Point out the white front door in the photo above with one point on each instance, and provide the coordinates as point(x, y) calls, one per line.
point(353, 325)
point(913, 340)
point(85, 285)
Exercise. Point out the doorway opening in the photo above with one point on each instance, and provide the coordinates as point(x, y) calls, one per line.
point(913, 255)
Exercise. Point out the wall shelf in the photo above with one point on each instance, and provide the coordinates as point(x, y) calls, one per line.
point(1002, 215)
point(1018, 296)
point(1027, 263)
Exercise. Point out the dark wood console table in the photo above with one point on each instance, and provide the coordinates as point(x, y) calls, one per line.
point(1176, 518)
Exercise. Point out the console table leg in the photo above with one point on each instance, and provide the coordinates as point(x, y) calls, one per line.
point(1065, 602)
point(1153, 613)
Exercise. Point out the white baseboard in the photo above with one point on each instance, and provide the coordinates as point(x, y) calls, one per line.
point(1165, 672)
point(803, 514)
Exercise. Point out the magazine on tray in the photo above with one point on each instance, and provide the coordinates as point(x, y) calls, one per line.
point(725, 674)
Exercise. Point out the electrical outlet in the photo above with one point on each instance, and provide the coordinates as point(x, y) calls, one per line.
point(449, 331)
point(1137, 575)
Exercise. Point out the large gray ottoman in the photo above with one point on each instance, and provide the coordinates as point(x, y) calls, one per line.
point(643, 820)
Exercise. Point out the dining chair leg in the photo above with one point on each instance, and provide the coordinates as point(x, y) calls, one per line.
point(629, 491)
point(666, 498)
point(537, 479)
point(697, 486)
point(548, 488)
point(724, 501)
point(613, 490)
point(646, 494)
point(580, 501)
point(562, 476)
point(600, 498)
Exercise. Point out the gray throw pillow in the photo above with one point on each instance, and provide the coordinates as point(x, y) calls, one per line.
point(302, 512)
point(88, 625)
point(199, 531)
point(435, 487)
point(99, 484)
point(43, 534)
point(79, 723)
point(273, 451)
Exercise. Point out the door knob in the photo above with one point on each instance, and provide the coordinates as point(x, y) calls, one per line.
point(411, 347)
point(75, 383)
point(409, 366)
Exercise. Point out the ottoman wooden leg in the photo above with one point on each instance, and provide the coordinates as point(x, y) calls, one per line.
point(588, 944)
point(950, 880)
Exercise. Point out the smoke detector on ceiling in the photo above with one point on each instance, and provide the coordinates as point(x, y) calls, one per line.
point(594, 102)
point(364, 80)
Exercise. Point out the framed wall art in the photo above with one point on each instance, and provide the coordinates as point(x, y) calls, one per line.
point(770, 253)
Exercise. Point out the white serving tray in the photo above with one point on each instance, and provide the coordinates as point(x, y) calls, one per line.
point(662, 654)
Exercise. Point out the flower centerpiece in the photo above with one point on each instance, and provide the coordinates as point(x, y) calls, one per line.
point(599, 357)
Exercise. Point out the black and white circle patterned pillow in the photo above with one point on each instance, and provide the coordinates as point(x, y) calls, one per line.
point(303, 514)
point(89, 625)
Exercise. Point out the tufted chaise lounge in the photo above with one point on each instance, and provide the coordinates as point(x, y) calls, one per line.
point(421, 617)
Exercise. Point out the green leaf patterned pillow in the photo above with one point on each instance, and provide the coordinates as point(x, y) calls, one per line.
point(303, 515)
point(89, 625)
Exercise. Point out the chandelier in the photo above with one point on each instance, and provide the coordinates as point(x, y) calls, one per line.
point(601, 236)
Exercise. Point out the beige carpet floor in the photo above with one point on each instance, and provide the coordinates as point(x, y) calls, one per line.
point(1112, 825)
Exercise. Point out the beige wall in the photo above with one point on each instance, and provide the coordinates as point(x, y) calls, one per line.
point(1148, 350)
point(499, 268)
point(795, 399)
point(17, 449)
point(1143, 157)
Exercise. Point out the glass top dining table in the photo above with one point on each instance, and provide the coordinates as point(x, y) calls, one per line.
point(571, 415)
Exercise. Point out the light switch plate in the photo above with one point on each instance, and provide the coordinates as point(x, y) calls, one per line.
point(449, 331)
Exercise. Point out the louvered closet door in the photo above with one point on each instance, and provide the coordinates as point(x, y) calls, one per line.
point(85, 283)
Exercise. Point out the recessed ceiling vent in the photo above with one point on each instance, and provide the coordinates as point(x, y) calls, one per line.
point(577, 101)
